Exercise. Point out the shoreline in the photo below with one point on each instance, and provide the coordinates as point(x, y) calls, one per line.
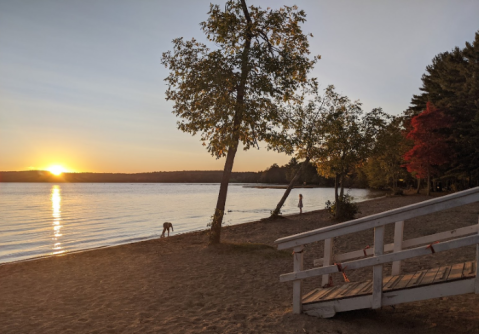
point(285, 186)
point(154, 238)
point(179, 285)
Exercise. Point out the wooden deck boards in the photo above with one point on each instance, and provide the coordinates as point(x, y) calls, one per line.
point(406, 281)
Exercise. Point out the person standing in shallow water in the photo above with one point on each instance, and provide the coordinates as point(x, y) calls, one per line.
point(300, 204)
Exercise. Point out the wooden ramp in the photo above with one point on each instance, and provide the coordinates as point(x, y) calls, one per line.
point(381, 291)
point(318, 301)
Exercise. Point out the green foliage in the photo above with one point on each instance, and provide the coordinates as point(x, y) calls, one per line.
point(384, 166)
point(271, 212)
point(348, 208)
point(237, 91)
point(259, 61)
point(451, 83)
point(285, 173)
point(300, 132)
point(347, 138)
point(218, 213)
point(291, 168)
point(343, 143)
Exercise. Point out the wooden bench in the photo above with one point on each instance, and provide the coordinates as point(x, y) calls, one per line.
point(426, 284)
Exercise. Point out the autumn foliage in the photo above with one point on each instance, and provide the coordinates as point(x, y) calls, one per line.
point(430, 147)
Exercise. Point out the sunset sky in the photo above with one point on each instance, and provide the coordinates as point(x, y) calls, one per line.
point(81, 84)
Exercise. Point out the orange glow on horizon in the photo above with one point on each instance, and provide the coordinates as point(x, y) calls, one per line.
point(56, 170)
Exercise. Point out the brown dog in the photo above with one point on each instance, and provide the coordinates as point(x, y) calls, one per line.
point(166, 227)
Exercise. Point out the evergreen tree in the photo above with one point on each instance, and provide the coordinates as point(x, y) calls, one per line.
point(451, 83)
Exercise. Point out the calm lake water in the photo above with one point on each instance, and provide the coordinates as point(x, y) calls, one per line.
point(42, 219)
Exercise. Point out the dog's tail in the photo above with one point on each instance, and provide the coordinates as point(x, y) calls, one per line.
point(172, 227)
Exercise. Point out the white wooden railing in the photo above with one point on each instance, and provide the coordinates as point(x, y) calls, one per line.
point(465, 236)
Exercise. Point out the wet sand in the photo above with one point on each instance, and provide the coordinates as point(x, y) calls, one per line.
point(179, 285)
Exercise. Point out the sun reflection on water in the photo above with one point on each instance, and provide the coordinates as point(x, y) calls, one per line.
point(57, 217)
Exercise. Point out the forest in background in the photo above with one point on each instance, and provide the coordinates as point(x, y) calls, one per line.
point(274, 175)
point(435, 139)
point(163, 177)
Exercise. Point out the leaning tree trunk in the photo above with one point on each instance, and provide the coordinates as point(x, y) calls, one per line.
point(340, 199)
point(336, 188)
point(288, 190)
point(215, 233)
point(339, 203)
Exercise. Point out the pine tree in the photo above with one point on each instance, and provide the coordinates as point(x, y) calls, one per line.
point(451, 83)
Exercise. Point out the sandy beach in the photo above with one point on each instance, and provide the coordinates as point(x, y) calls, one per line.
point(179, 285)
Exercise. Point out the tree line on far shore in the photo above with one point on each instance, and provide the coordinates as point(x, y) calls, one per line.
point(162, 177)
point(274, 174)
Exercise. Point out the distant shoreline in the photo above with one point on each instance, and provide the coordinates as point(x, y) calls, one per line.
point(285, 186)
point(150, 177)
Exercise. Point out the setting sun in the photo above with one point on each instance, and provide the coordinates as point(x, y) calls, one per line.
point(56, 170)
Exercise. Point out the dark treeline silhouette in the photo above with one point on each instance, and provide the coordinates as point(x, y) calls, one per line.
point(284, 174)
point(163, 177)
point(274, 174)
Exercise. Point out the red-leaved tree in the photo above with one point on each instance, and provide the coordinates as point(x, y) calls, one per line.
point(430, 147)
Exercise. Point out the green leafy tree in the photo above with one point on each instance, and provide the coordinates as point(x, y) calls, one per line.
point(384, 166)
point(347, 138)
point(233, 92)
point(299, 136)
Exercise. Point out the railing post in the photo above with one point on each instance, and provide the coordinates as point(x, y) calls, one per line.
point(398, 238)
point(327, 258)
point(476, 280)
point(297, 285)
point(378, 270)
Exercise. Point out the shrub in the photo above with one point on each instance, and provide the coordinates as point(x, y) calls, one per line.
point(397, 192)
point(348, 208)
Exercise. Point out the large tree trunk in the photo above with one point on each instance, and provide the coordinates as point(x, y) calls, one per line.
point(288, 190)
point(418, 185)
point(341, 180)
point(339, 199)
point(336, 182)
point(215, 233)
